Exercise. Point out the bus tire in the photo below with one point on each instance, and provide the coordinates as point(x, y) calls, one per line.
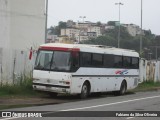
point(85, 90)
point(122, 90)
point(53, 94)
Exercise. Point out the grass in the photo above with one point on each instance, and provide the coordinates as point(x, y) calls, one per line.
point(21, 89)
point(24, 89)
point(147, 86)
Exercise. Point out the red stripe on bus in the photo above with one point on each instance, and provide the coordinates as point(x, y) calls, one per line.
point(59, 49)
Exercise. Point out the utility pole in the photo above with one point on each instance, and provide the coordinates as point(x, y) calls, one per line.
point(156, 51)
point(140, 49)
point(46, 20)
point(119, 31)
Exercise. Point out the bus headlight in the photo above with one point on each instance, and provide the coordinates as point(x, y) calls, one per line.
point(65, 82)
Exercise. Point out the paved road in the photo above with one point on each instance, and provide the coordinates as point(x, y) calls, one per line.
point(141, 101)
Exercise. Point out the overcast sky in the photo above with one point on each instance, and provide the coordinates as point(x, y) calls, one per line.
point(106, 10)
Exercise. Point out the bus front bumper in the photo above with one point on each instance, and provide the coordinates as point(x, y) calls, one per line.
point(51, 88)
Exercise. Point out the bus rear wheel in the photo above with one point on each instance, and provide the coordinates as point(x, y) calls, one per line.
point(122, 90)
point(85, 91)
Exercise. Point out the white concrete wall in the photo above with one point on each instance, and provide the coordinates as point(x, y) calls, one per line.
point(157, 71)
point(27, 23)
point(149, 70)
point(5, 43)
point(142, 70)
point(22, 26)
point(4, 24)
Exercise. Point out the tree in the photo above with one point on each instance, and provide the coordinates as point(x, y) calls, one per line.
point(52, 30)
point(99, 23)
point(57, 30)
point(112, 23)
point(62, 24)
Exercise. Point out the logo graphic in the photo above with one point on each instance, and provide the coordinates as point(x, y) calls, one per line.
point(6, 114)
point(121, 72)
point(20, 114)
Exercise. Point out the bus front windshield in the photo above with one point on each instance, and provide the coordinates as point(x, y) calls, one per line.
point(53, 60)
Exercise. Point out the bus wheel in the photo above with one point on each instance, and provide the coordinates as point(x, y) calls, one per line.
point(85, 90)
point(123, 88)
point(53, 94)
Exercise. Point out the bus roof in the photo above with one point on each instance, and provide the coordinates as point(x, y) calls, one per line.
point(91, 48)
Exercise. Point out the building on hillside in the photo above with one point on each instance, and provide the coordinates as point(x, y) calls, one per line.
point(62, 38)
point(22, 28)
point(92, 34)
point(71, 24)
point(109, 27)
point(51, 38)
point(95, 29)
point(65, 39)
point(83, 38)
point(80, 31)
point(89, 28)
point(82, 25)
point(133, 30)
point(72, 33)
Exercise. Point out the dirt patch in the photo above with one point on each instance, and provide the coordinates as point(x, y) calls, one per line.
point(16, 102)
point(22, 101)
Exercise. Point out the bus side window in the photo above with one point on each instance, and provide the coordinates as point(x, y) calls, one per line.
point(126, 62)
point(135, 63)
point(85, 59)
point(97, 60)
point(108, 61)
point(75, 61)
point(117, 61)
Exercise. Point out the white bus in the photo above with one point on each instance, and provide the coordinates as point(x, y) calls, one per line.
point(84, 69)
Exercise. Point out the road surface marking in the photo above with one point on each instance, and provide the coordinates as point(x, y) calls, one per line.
point(115, 103)
point(102, 105)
